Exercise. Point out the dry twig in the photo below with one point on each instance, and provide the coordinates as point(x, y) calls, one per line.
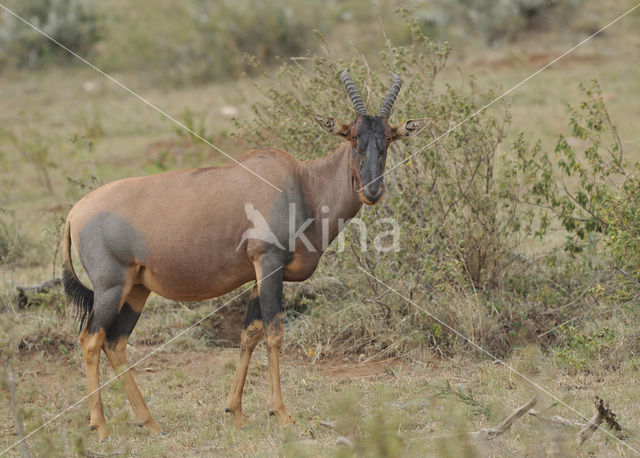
point(603, 413)
point(556, 419)
point(25, 291)
point(492, 433)
point(344, 441)
point(328, 424)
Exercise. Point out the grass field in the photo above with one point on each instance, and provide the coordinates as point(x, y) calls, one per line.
point(385, 408)
point(66, 129)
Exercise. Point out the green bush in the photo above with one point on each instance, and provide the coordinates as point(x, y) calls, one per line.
point(11, 242)
point(183, 42)
point(470, 210)
point(455, 200)
point(493, 20)
point(173, 42)
point(623, 227)
point(73, 23)
point(496, 20)
point(586, 183)
point(579, 349)
point(462, 221)
point(195, 41)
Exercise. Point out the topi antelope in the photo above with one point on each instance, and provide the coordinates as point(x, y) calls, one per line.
point(185, 235)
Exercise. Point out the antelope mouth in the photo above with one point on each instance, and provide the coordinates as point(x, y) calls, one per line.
point(371, 200)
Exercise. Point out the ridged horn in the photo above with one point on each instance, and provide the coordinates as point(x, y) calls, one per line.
point(387, 104)
point(358, 104)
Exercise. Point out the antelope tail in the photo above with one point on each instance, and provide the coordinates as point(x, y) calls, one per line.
point(76, 292)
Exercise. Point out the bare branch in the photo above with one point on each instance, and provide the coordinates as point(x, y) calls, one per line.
point(344, 441)
point(328, 424)
point(603, 413)
point(556, 419)
point(25, 291)
point(491, 433)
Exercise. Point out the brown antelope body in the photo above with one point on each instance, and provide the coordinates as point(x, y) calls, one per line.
point(195, 234)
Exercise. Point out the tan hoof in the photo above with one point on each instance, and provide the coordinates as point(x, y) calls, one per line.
point(284, 419)
point(238, 418)
point(154, 427)
point(103, 432)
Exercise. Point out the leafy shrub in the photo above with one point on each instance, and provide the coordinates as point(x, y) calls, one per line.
point(466, 203)
point(458, 203)
point(73, 23)
point(586, 184)
point(580, 349)
point(174, 42)
point(201, 41)
point(592, 194)
point(623, 226)
point(34, 148)
point(11, 242)
point(493, 20)
point(456, 198)
point(505, 19)
point(195, 41)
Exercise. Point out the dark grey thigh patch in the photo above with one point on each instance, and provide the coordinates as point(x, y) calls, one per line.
point(122, 325)
point(289, 213)
point(108, 243)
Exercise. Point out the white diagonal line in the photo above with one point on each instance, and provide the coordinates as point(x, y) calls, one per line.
point(163, 113)
point(500, 97)
point(462, 336)
point(155, 350)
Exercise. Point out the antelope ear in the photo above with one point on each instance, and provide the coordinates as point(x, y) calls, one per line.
point(409, 128)
point(331, 126)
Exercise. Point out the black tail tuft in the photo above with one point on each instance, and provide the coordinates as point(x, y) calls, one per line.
point(80, 295)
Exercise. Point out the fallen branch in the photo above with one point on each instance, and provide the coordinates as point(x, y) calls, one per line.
point(25, 291)
point(91, 454)
point(556, 419)
point(491, 433)
point(603, 413)
point(328, 424)
point(344, 441)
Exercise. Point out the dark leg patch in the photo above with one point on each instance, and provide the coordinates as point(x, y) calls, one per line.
point(123, 325)
point(253, 311)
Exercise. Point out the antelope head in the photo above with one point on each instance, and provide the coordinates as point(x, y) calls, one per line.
point(370, 137)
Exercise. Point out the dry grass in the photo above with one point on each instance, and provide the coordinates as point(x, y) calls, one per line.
point(388, 406)
point(384, 408)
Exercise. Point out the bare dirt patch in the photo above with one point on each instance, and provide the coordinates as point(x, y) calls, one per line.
point(353, 369)
point(226, 324)
point(189, 362)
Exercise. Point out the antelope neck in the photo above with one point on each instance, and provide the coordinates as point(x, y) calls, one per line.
point(331, 185)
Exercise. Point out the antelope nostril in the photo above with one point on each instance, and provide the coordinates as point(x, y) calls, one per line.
point(373, 194)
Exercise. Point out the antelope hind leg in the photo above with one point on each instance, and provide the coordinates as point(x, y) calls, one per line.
point(115, 347)
point(251, 335)
point(91, 343)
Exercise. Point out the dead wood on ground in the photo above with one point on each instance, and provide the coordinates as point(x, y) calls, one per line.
point(24, 292)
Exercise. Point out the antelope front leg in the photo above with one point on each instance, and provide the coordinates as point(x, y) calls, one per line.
point(273, 336)
point(270, 274)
